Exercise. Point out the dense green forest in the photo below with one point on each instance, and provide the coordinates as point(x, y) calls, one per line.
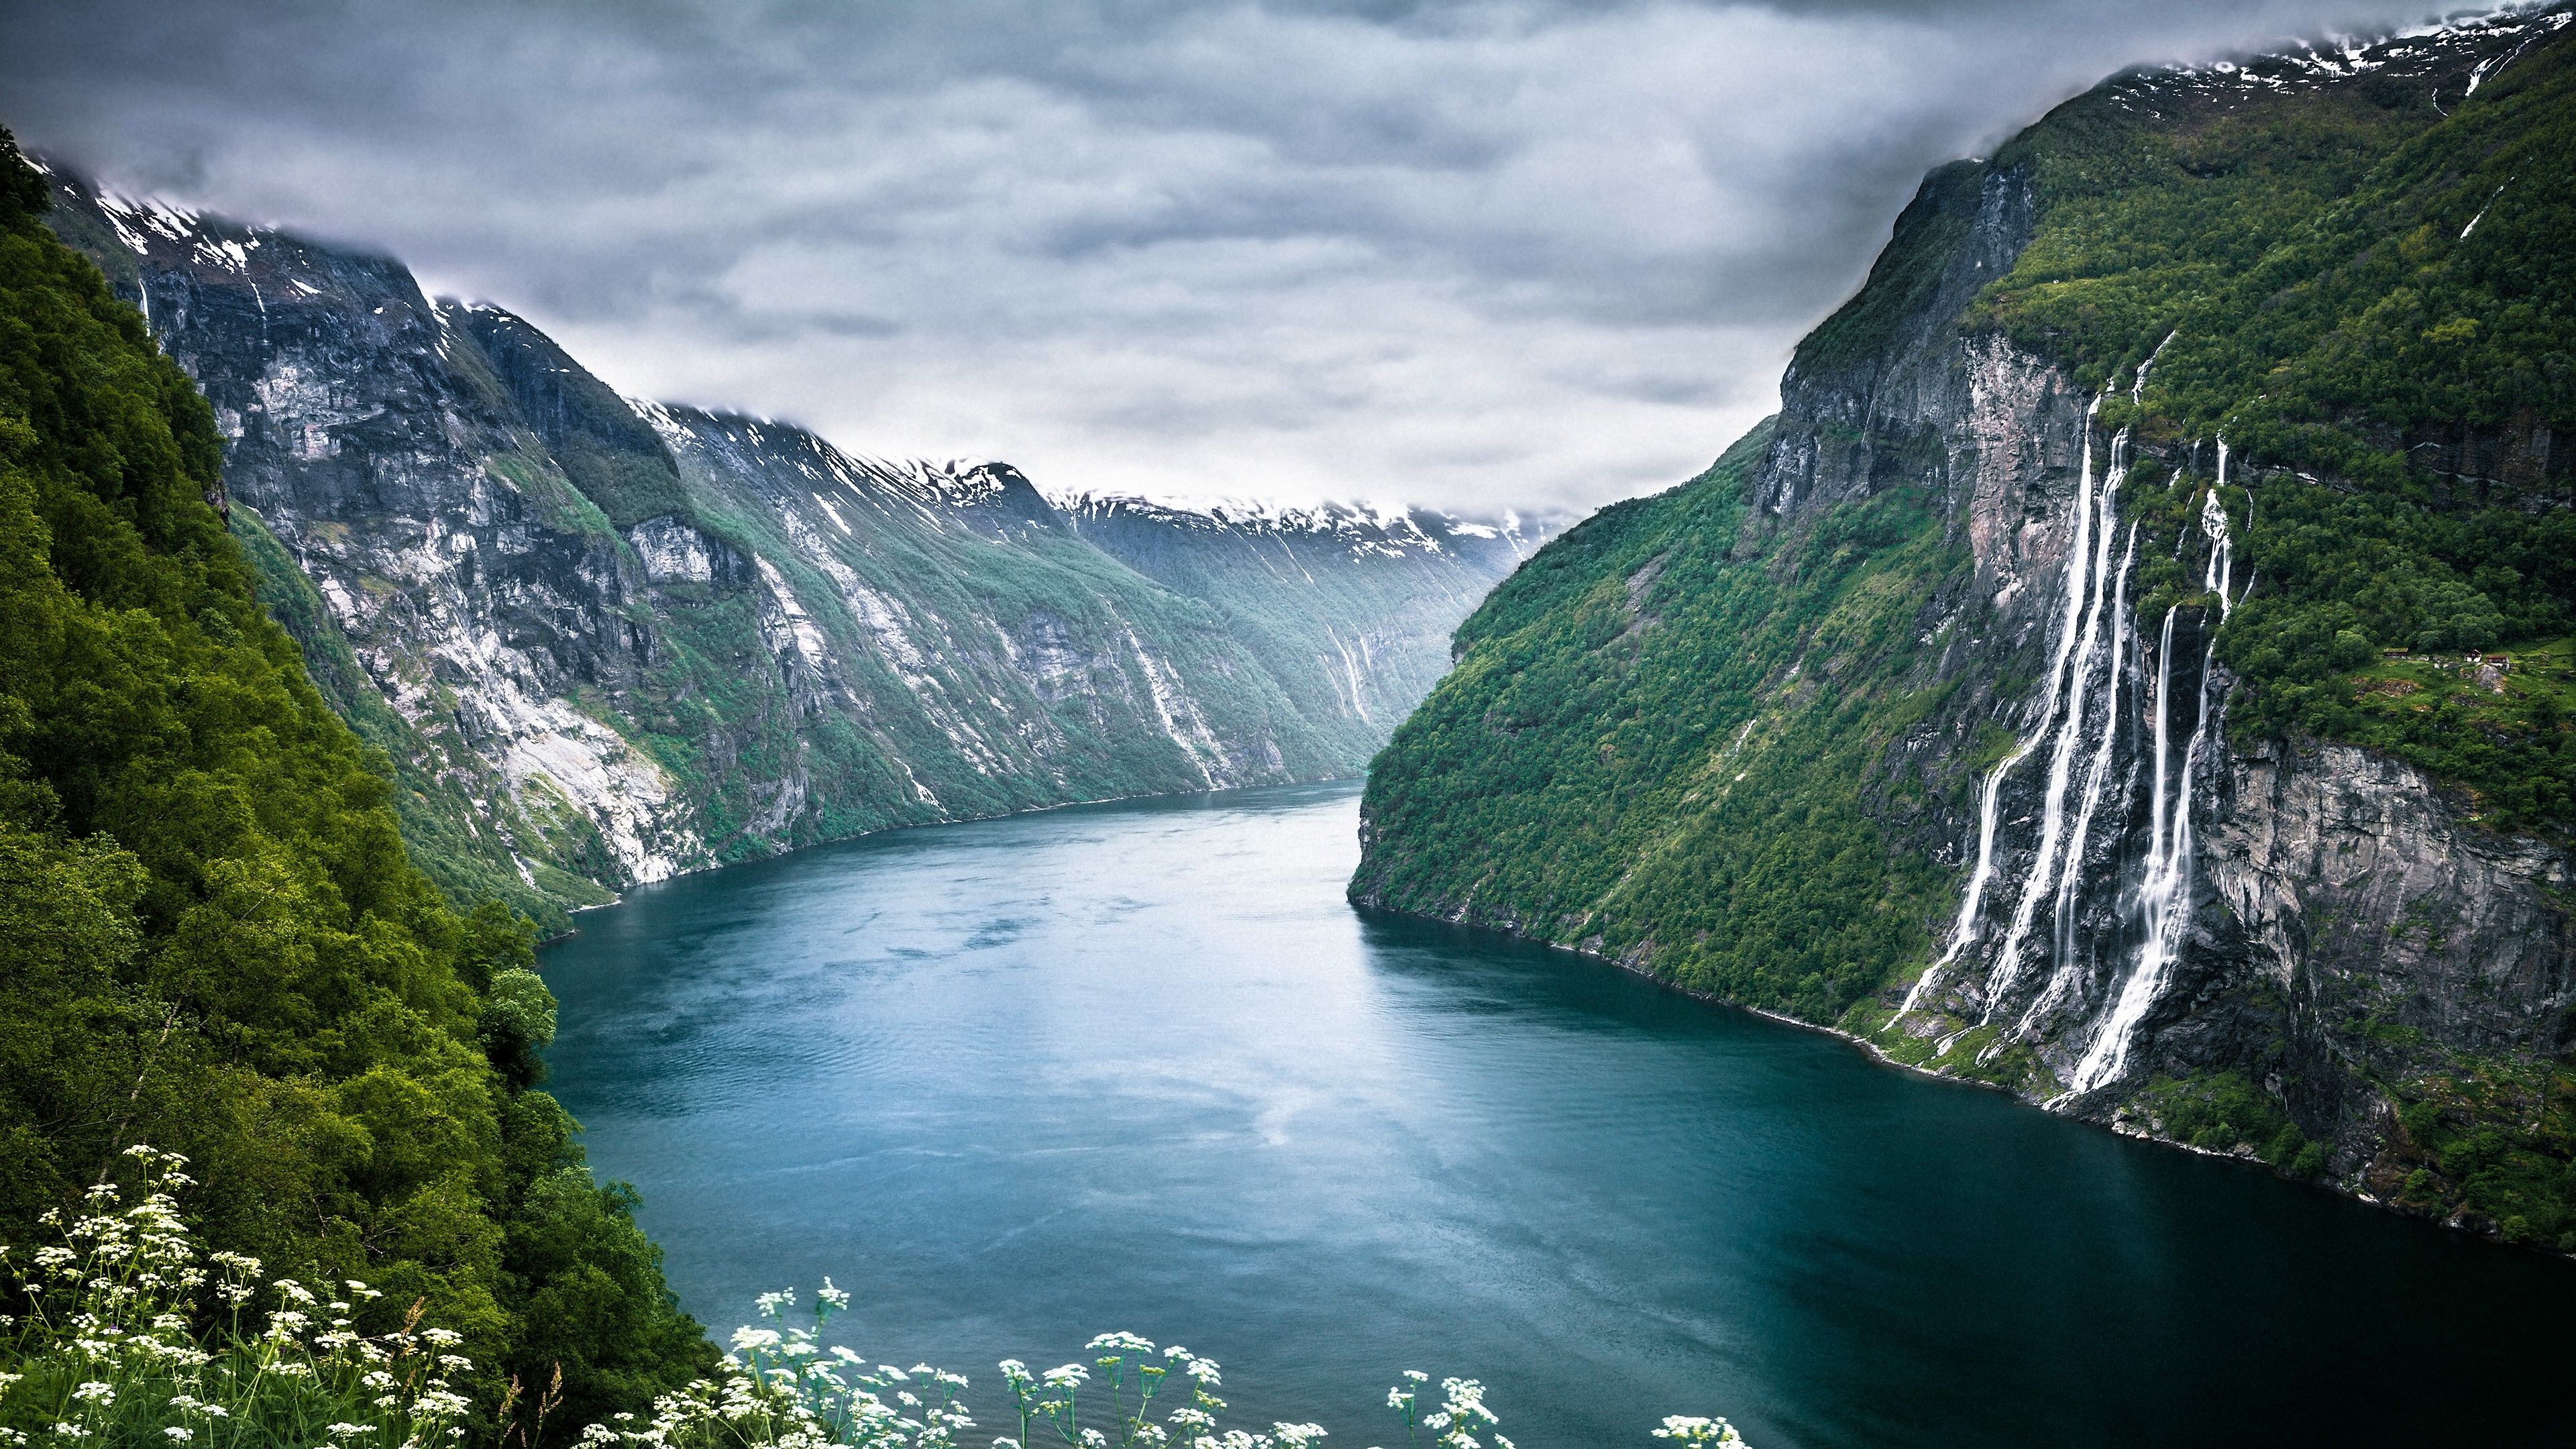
point(211, 938)
point(2375, 304)
point(1650, 736)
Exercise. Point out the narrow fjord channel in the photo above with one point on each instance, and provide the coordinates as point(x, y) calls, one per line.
point(1140, 1067)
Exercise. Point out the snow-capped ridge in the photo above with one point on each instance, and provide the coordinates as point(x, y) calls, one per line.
point(1368, 526)
point(2425, 51)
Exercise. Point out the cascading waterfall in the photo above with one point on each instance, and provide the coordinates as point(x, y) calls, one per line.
point(2040, 884)
point(2164, 896)
point(1972, 905)
point(2097, 778)
point(2100, 774)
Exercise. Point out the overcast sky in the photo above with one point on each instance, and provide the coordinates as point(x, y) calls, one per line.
point(1471, 254)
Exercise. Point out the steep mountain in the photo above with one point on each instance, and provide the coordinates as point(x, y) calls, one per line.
point(211, 939)
point(2133, 667)
point(601, 641)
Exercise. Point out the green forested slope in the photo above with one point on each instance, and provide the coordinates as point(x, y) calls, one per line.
point(210, 936)
point(1650, 736)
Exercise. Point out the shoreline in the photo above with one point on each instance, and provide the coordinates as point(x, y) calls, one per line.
point(1879, 1056)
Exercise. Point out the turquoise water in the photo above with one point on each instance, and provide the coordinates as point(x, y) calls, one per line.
point(1141, 1067)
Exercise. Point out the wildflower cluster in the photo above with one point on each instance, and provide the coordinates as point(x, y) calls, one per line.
point(1131, 1375)
point(783, 1389)
point(134, 1336)
point(780, 1388)
point(1682, 1429)
point(112, 1347)
point(1453, 1425)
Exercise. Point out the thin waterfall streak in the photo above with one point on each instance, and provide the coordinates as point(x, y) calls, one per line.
point(2138, 385)
point(2070, 885)
point(2165, 897)
point(1965, 933)
point(2092, 537)
point(2102, 750)
point(2220, 565)
point(1966, 929)
point(2164, 740)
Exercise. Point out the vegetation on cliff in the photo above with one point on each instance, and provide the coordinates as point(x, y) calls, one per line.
point(2374, 302)
point(1651, 736)
point(1687, 736)
point(211, 937)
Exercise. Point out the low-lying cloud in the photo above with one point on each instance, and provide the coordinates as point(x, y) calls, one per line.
point(1543, 253)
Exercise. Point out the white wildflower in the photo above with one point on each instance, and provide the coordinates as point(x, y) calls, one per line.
point(1687, 1429)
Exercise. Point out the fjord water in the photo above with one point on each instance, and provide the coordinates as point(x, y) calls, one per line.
point(1140, 1067)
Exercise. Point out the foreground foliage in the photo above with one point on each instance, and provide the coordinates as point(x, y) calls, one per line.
point(782, 1387)
point(133, 1335)
point(210, 934)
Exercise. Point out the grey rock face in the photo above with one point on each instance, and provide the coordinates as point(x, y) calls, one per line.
point(2140, 903)
point(2396, 938)
point(604, 641)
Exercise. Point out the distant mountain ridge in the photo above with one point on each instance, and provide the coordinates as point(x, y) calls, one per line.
point(1393, 585)
point(605, 640)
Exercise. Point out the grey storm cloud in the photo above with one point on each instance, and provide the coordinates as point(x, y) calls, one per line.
point(1543, 253)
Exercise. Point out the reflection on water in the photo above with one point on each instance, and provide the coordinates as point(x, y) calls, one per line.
point(1140, 1067)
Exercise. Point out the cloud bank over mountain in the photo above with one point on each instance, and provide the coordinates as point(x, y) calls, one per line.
point(1542, 253)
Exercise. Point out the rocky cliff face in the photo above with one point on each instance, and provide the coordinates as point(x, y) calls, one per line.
point(604, 641)
point(2055, 868)
point(2148, 903)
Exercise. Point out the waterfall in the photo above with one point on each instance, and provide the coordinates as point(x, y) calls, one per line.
point(2138, 384)
point(2091, 535)
point(2213, 521)
point(2164, 896)
point(2071, 883)
point(2100, 774)
point(1972, 905)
